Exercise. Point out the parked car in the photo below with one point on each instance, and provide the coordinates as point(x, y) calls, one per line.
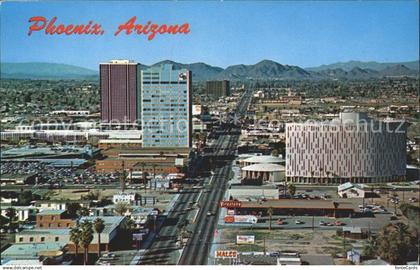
point(281, 222)
point(338, 223)
point(298, 221)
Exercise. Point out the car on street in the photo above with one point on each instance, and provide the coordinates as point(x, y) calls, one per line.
point(298, 221)
point(338, 223)
point(281, 222)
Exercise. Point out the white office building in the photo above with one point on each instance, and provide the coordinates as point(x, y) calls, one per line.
point(352, 148)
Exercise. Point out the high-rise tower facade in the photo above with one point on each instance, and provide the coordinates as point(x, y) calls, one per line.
point(119, 91)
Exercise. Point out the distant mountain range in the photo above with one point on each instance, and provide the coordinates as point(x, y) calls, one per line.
point(35, 70)
point(263, 70)
point(347, 66)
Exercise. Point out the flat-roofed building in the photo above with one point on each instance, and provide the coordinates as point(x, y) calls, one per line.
point(218, 88)
point(54, 219)
point(298, 207)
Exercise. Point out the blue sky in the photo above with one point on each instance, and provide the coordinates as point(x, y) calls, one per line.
point(222, 33)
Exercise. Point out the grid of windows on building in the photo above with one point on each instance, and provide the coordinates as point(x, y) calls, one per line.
point(166, 107)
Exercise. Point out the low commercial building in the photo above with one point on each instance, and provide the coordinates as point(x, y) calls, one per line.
point(23, 213)
point(105, 144)
point(110, 237)
point(124, 197)
point(33, 254)
point(262, 172)
point(298, 207)
point(151, 160)
point(59, 204)
point(54, 219)
point(17, 179)
point(241, 192)
point(42, 236)
point(350, 190)
point(262, 159)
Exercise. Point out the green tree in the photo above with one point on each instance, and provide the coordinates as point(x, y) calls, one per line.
point(73, 209)
point(75, 237)
point(121, 208)
point(395, 244)
point(11, 215)
point(370, 248)
point(25, 197)
point(292, 189)
point(86, 238)
point(99, 226)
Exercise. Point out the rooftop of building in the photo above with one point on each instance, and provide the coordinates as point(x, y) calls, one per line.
point(111, 222)
point(264, 159)
point(264, 167)
point(240, 186)
point(50, 212)
point(297, 203)
point(45, 232)
point(119, 62)
point(349, 185)
point(29, 251)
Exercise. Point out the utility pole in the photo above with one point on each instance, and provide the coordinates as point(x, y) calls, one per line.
point(313, 222)
point(264, 244)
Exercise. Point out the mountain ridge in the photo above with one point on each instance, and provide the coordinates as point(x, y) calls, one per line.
point(263, 70)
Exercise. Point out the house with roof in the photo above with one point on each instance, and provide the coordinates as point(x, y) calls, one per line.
point(350, 190)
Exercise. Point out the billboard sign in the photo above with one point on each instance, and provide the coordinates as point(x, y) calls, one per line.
point(226, 254)
point(230, 204)
point(245, 239)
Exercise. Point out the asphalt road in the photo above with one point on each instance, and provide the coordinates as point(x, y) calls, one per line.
point(198, 246)
point(164, 250)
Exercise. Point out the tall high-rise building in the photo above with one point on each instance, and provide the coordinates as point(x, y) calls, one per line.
point(166, 107)
point(218, 88)
point(119, 91)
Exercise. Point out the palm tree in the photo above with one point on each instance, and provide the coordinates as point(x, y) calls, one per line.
point(75, 237)
point(86, 238)
point(370, 248)
point(402, 230)
point(99, 226)
point(270, 215)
